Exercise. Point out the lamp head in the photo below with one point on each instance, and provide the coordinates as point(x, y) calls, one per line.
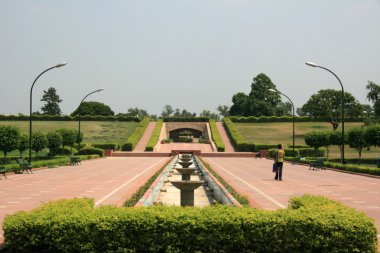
point(311, 64)
point(60, 64)
point(100, 89)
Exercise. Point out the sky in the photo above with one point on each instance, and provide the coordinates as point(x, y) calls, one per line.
point(190, 54)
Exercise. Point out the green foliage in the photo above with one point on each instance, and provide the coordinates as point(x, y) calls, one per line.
point(372, 135)
point(9, 138)
point(216, 136)
point(113, 146)
point(136, 136)
point(68, 118)
point(317, 139)
point(141, 191)
point(91, 151)
point(93, 108)
point(39, 141)
point(54, 142)
point(354, 168)
point(69, 136)
point(52, 101)
point(288, 152)
point(23, 144)
point(66, 151)
point(355, 139)
point(239, 142)
point(185, 119)
point(310, 152)
point(259, 147)
point(310, 224)
point(155, 136)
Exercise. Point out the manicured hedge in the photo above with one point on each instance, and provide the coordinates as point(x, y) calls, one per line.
point(354, 168)
point(310, 152)
point(113, 146)
point(91, 151)
point(288, 152)
point(253, 119)
point(68, 118)
point(216, 136)
point(185, 119)
point(310, 224)
point(155, 136)
point(238, 140)
point(259, 147)
point(136, 136)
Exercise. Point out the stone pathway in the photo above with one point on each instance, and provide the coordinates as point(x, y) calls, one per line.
point(140, 147)
point(226, 140)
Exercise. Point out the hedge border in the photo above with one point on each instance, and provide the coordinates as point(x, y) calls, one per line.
point(155, 136)
point(216, 136)
point(68, 118)
point(132, 141)
point(262, 119)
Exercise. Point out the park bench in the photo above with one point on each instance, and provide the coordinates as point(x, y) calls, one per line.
point(318, 164)
point(74, 160)
point(24, 166)
point(3, 170)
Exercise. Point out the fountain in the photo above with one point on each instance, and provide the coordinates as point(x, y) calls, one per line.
point(187, 190)
point(186, 172)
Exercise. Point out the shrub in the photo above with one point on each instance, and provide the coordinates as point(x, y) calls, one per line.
point(185, 119)
point(237, 139)
point(136, 136)
point(39, 141)
point(310, 224)
point(288, 152)
point(91, 151)
point(259, 147)
point(66, 151)
point(155, 136)
point(310, 152)
point(216, 136)
point(54, 142)
point(9, 138)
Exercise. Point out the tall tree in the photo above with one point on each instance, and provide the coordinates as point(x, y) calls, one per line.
point(239, 105)
point(52, 100)
point(327, 104)
point(135, 112)
point(374, 96)
point(224, 110)
point(39, 141)
point(167, 111)
point(209, 114)
point(93, 108)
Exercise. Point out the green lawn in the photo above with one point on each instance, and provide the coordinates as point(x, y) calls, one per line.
point(94, 131)
point(281, 132)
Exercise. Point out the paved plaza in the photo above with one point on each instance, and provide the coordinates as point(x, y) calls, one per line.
point(112, 180)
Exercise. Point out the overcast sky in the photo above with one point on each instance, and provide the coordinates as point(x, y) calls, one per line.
point(190, 54)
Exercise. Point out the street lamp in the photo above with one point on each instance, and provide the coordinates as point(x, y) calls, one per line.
point(30, 106)
point(98, 90)
point(273, 90)
point(312, 64)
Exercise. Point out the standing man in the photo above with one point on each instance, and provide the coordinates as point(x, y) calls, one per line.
point(279, 158)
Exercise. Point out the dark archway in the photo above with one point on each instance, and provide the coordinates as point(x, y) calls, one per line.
point(174, 134)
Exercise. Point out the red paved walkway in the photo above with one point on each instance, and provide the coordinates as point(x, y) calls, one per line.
point(108, 181)
point(226, 140)
point(168, 147)
point(140, 147)
point(254, 178)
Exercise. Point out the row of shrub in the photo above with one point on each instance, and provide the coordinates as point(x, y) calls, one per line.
point(68, 118)
point(186, 119)
point(141, 191)
point(309, 224)
point(57, 161)
point(155, 136)
point(239, 141)
point(216, 136)
point(113, 146)
point(253, 119)
point(305, 152)
point(136, 136)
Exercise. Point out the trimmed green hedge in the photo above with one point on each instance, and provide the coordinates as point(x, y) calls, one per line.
point(69, 118)
point(253, 119)
point(238, 140)
point(216, 136)
point(91, 151)
point(185, 119)
point(310, 152)
point(155, 136)
point(310, 224)
point(136, 136)
point(113, 146)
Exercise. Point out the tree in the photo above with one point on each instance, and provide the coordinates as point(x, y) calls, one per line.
point(93, 108)
point(356, 140)
point(327, 104)
point(336, 139)
point(167, 111)
point(38, 141)
point(223, 110)
point(54, 142)
point(69, 137)
point(135, 112)
point(52, 101)
point(316, 140)
point(374, 95)
point(372, 135)
point(210, 115)
point(23, 144)
point(9, 139)
point(284, 109)
point(260, 101)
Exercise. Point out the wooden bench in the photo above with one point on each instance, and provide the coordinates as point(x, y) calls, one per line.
point(318, 164)
point(24, 166)
point(3, 170)
point(74, 160)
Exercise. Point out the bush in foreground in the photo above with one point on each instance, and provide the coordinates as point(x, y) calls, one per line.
point(310, 224)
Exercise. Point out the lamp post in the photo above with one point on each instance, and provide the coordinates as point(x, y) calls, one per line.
point(30, 106)
point(312, 64)
point(98, 90)
point(273, 90)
